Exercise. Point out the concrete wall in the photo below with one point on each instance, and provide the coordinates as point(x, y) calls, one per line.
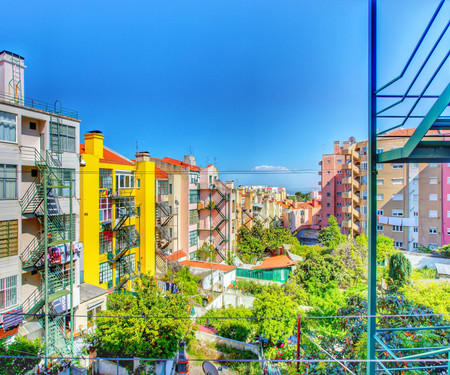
point(227, 342)
point(237, 300)
point(421, 260)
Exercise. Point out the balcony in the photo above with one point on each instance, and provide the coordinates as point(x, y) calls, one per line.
point(350, 195)
point(351, 181)
point(351, 167)
point(355, 155)
point(349, 209)
point(351, 225)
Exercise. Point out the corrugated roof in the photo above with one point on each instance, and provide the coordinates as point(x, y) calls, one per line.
point(279, 261)
point(207, 265)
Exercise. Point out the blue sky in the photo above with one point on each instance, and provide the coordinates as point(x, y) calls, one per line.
point(246, 83)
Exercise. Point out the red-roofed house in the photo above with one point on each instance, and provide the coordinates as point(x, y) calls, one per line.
point(273, 269)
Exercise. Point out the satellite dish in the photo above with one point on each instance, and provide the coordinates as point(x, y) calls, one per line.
point(209, 369)
point(352, 140)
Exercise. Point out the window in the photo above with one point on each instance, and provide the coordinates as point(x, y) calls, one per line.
point(380, 181)
point(432, 230)
point(328, 205)
point(67, 177)
point(126, 265)
point(105, 209)
point(339, 172)
point(105, 179)
point(397, 212)
point(7, 127)
point(126, 238)
point(415, 245)
point(338, 194)
point(398, 244)
point(363, 180)
point(448, 230)
point(328, 161)
point(328, 183)
point(8, 291)
point(432, 197)
point(193, 217)
point(193, 178)
point(8, 181)
point(380, 212)
point(62, 137)
point(339, 161)
point(339, 183)
point(193, 196)
point(397, 166)
point(433, 213)
point(170, 188)
point(364, 166)
point(397, 197)
point(364, 194)
point(163, 187)
point(448, 214)
point(124, 180)
point(105, 272)
point(193, 238)
point(397, 181)
point(448, 197)
point(328, 215)
point(397, 228)
point(8, 238)
point(162, 210)
point(105, 242)
point(380, 197)
point(416, 229)
point(380, 166)
point(32, 125)
point(338, 204)
point(328, 172)
point(379, 228)
point(92, 313)
point(364, 210)
point(138, 183)
point(433, 165)
point(448, 180)
point(433, 180)
point(416, 214)
point(338, 215)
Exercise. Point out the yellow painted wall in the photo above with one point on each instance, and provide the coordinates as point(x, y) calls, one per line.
point(89, 205)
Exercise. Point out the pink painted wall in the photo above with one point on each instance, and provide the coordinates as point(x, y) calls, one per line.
point(445, 238)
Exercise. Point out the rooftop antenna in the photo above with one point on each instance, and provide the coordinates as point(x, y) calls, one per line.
point(215, 161)
point(137, 146)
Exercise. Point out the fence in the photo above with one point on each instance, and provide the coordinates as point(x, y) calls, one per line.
point(279, 275)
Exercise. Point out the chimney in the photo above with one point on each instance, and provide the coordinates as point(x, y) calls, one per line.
point(12, 68)
point(93, 143)
point(143, 156)
point(337, 147)
point(189, 159)
point(230, 184)
point(346, 144)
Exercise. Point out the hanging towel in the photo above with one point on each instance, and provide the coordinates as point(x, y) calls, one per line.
point(395, 221)
point(409, 222)
point(383, 219)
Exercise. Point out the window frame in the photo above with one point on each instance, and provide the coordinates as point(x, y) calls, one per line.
point(61, 138)
point(8, 290)
point(10, 242)
point(4, 178)
point(3, 125)
point(105, 274)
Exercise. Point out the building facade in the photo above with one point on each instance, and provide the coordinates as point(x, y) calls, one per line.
point(411, 198)
point(117, 214)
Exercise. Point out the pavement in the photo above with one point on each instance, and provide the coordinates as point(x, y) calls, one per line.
point(197, 370)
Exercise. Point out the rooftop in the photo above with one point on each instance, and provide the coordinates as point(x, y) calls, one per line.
point(179, 163)
point(279, 261)
point(176, 255)
point(207, 265)
point(89, 291)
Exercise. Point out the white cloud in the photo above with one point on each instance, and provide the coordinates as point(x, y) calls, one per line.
point(270, 168)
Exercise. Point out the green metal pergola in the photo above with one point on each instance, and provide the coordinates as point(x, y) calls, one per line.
point(419, 148)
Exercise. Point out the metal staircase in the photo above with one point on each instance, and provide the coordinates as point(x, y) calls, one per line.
point(425, 106)
point(126, 239)
point(163, 235)
point(40, 202)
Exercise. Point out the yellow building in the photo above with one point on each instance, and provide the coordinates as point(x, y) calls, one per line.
point(117, 211)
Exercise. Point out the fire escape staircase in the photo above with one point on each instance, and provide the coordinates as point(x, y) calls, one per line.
point(162, 235)
point(125, 240)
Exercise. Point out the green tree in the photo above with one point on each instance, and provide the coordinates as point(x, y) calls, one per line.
point(331, 235)
point(399, 270)
point(19, 347)
point(275, 305)
point(236, 329)
point(207, 252)
point(134, 331)
point(187, 282)
point(302, 197)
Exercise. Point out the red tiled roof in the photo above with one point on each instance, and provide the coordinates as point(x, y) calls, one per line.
point(279, 261)
point(176, 255)
point(179, 163)
point(110, 156)
point(207, 265)
point(159, 173)
point(11, 332)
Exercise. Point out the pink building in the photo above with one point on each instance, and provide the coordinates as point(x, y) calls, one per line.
point(445, 216)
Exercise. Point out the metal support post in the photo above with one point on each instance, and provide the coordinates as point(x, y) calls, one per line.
point(372, 190)
point(46, 307)
point(299, 326)
point(71, 274)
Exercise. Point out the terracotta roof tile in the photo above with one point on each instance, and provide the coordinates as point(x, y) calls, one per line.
point(207, 265)
point(159, 173)
point(279, 261)
point(179, 163)
point(176, 255)
point(110, 156)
